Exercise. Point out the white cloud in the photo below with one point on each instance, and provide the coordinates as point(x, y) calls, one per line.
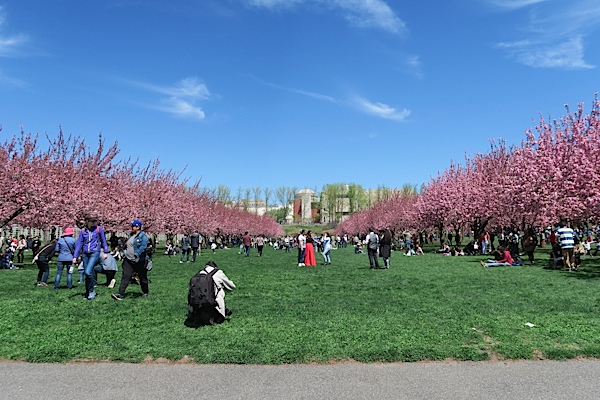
point(181, 108)
point(513, 4)
point(378, 109)
point(361, 13)
point(10, 45)
point(371, 13)
point(274, 3)
point(6, 80)
point(182, 97)
point(556, 34)
point(566, 55)
point(307, 93)
point(381, 110)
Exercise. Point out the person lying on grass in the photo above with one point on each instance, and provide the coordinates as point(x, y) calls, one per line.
point(506, 260)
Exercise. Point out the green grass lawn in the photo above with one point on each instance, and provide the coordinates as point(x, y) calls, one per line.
point(424, 308)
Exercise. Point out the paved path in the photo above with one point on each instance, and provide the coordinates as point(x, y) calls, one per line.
point(466, 380)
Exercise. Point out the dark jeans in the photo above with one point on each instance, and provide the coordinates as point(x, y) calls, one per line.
point(44, 269)
point(110, 275)
point(373, 260)
point(20, 256)
point(194, 253)
point(129, 267)
point(301, 255)
point(186, 253)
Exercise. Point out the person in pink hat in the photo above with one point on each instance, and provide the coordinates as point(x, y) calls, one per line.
point(65, 248)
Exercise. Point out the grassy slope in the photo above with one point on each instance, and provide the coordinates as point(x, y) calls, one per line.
point(424, 308)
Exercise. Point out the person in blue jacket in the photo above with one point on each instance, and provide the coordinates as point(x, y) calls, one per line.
point(135, 260)
point(90, 243)
point(65, 247)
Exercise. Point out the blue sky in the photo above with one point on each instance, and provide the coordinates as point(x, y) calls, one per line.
point(269, 93)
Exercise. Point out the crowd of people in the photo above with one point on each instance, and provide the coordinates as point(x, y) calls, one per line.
point(92, 254)
point(516, 248)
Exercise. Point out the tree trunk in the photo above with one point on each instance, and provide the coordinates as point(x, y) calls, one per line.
point(14, 215)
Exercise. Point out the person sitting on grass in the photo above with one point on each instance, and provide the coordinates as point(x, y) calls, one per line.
point(419, 250)
point(358, 249)
point(206, 314)
point(444, 248)
point(506, 260)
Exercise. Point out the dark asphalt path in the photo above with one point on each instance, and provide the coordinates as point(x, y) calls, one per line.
point(462, 380)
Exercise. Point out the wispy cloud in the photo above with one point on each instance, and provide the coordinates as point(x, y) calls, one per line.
point(302, 92)
point(376, 109)
point(181, 98)
point(556, 33)
point(514, 4)
point(6, 80)
point(360, 13)
point(10, 45)
point(381, 110)
point(566, 55)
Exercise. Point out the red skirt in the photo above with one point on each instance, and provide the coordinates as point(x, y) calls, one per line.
point(309, 256)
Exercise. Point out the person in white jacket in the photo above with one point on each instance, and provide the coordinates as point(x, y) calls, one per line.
point(222, 283)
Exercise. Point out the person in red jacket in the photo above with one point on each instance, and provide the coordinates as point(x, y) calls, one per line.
point(506, 260)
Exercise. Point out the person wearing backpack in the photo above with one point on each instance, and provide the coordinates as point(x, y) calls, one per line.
point(206, 296)
point(134, 260)
point(372, 246)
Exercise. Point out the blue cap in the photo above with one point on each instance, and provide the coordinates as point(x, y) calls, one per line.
point(136, 222)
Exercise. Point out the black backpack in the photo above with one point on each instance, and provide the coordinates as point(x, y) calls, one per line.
point(202, 291)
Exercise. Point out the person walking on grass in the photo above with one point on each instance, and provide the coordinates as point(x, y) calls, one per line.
point(42, 260)
point(195, 242)
point(90, 242)
point(372, 247)
point(326, 240)
point(134, 260)
point(185, 248)
point(385, 246)
point(260, 244)
point(566, 237)
point(247, 241)
point(65, 247)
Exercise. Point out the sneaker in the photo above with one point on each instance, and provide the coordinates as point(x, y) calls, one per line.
point(91, 296)
point(112, 283)
point(117, 296)
point(145, 296)
point(180, 262)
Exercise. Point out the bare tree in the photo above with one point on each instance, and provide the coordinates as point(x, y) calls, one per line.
point(238, 197)
point(267, 192)
point(223, 194)
point(281, 195)
point(290, 196)
point(257, 192)
point(247, 198)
